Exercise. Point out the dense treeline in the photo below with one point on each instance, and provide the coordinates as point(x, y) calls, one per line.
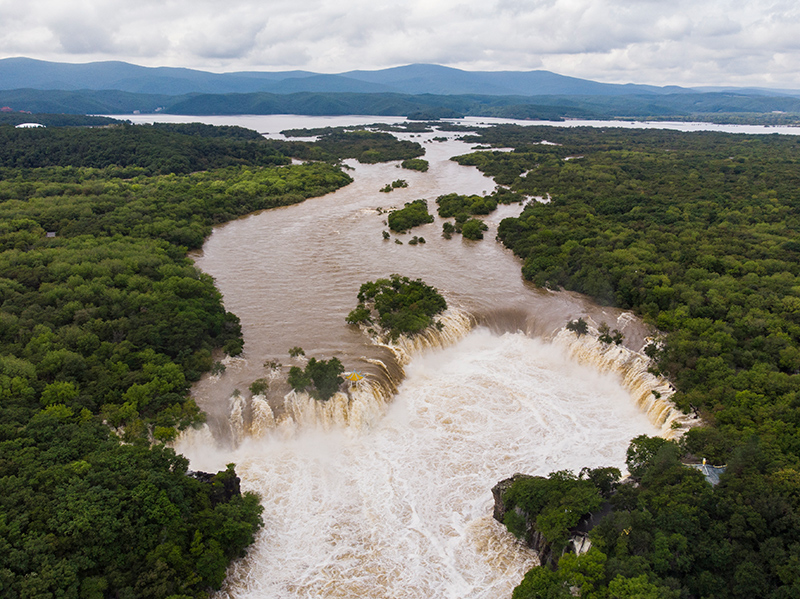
point(368, 147)
point(552, 107)
point(104, 323)
point(698, 232)
point(177, 209)
point(711, 106)
point(159, 149)
point(401, 127)
point(165, 148)
point(203, 130)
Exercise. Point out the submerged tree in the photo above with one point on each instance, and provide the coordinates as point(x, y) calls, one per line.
point(321, 378)
point(607, 336)
point(579, 327)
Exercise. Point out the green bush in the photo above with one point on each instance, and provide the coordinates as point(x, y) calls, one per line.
point(415, 213)
point(415, 164)
point(321, 378)
point(259, 387)
point(473, 229)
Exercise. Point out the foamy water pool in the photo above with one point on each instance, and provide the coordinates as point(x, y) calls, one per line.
point(402, 506)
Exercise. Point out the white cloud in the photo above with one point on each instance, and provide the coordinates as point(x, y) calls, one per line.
point(685, 42)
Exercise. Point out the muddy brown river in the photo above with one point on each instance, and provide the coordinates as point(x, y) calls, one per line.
point(390, 496)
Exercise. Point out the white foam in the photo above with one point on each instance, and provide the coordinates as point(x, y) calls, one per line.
point(402, 508)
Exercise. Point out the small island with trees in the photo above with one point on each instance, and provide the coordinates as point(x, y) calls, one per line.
point(396, 184)
point(415, 164)
point(320, 378)
point(398, 306)
point(412, 215)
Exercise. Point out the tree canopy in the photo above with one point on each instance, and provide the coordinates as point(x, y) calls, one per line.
point(412, 215)
point(398, 305)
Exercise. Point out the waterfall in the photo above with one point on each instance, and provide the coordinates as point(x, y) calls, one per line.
point(396, 502)
point(237, 417)
point(455, 325)
point(263, 418)
point(651, 393)
point(363, 403)
point(357, 408)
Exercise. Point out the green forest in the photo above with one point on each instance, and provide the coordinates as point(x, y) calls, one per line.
point(104, 323)
point(368, 147)
point(699, 233)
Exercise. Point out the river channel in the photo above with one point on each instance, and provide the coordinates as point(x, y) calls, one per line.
point(396, 503)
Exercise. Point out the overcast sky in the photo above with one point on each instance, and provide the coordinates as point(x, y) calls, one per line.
point(683, 42)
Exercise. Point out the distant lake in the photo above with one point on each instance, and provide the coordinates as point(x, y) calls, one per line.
point(275, 123)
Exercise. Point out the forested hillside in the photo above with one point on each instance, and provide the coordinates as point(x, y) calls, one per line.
point(698, 233)
point(104, 323)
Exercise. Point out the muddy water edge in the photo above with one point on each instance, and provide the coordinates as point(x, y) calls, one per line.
point(292, 274)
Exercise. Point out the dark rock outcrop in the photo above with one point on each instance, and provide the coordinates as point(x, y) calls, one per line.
point(499, 490)
point(224, 484)
point(579, 541)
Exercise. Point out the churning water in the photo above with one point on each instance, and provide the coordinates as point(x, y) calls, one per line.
point(382, 495)
point(401, 507)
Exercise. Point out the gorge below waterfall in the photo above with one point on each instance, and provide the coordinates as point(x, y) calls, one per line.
point(397, 501)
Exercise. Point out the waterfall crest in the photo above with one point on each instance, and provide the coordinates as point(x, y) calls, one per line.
point(455, 325)
point(357, 408)
point(651, 393)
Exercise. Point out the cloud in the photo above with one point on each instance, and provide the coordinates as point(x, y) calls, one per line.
point(648, 41)
point(229, 37)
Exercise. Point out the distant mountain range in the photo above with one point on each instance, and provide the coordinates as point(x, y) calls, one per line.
point(19, 73)
point(422, 90)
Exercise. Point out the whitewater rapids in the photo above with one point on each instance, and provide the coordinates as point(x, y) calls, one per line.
point(402, 508)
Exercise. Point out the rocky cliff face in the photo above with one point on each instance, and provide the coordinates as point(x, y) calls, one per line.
point(224, 484)
point(579, 541)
